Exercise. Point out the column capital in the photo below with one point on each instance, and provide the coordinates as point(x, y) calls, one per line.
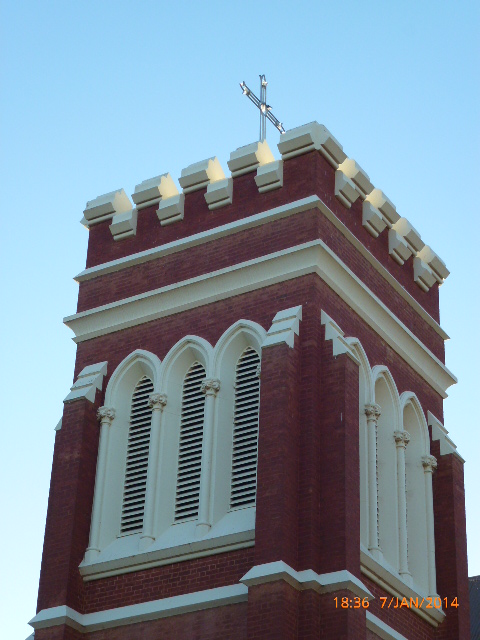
point(106, 415)
point(372, 411)
point(402, 438)
point(429, 463)
point(210, 386)
point(157, 401)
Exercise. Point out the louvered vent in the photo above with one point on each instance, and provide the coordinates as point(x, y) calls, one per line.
point(137, 458)
point(245, 430)
point(190, 448)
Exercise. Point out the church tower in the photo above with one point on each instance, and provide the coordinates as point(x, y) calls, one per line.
point(253, 447)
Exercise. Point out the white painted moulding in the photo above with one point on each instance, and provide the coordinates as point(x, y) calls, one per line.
point(171, 209)
point(124, 225)
point(372, 219)
point(269, 176)
point(200, 174)
point(357, 175)
point(219, 193)
point(249, 158)
point(345, 189)
point(409, 234)
point(142, 612)
point(440, 434)
point(337, 336)
point(398, 247)
point(308, 137)
point(153, 190)
point(105, 207)
point(277, 213)
point(422, 274)
point(307, 579)
point(386, 207)
point(285, 325)
point(438, 267)
point(89, 380)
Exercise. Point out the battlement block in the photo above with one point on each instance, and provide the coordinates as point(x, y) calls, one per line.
point(200, 174)
point(249, 157)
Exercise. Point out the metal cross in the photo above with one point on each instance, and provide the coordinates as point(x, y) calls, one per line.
point(265, 109)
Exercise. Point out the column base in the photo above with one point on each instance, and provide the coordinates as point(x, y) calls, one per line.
point(91, 554)
point(145, 542)
point(202, 529)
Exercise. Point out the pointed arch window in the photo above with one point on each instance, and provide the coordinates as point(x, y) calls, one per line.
point(190, 445)
point(245, 430)
point(137, 458)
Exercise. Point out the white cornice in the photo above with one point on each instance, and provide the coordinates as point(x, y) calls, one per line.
point(283, 211)
point(381, 629)
point(307, 579)
point(311, 257)
point(143, 612)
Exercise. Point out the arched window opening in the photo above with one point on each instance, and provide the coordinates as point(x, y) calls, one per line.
point(137, 458)
point(190, 446)
point(245, 430)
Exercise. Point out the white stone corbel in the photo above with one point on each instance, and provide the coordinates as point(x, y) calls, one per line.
point(379, 201)
point(200, 174)
point(345, 189)
point(440, 434)
point(308, 137)
point(151, 191)
point(285, 325)
point(171, 209)
point(269, 176)
point(249, 158)
point(397, 247)
point(105, 207)
point(372, 219)
point(124, 225)
point(422, 274)
point(219, 193)
point(437, 266)
point(409, 234)
point(89, 380)
point(357, 175)
point(339, 343)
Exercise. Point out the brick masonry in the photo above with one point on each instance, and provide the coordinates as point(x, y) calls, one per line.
point(308, 503)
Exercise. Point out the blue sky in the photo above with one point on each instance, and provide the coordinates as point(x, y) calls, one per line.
point(102, 95)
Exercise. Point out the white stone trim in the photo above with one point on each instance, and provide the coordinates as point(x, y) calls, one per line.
point(269, 176)
point(393, 584)
point(105, 207)
point(337, 336)
point(124, 225)
point(307, 579)
point(379, 201)
point(248, 158)
point(143, 612)
point(308, 137)
point(200, 174)
point(219, 193)
point(357, 175)
point(283, 211)
point(382, 629)
point(151, 191)
point(311, 257)
point(171, 209)
point(285, 325)
point(345, 189)
point(441, 434)
point(89, 380)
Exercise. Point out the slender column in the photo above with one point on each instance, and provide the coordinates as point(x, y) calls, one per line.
point(156, 402)
point(106, 416)
point(210, 388)
point(402, 438)
point(429, 465)
point(372, 411)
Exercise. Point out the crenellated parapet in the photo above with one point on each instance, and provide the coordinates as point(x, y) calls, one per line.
point(351, 185)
